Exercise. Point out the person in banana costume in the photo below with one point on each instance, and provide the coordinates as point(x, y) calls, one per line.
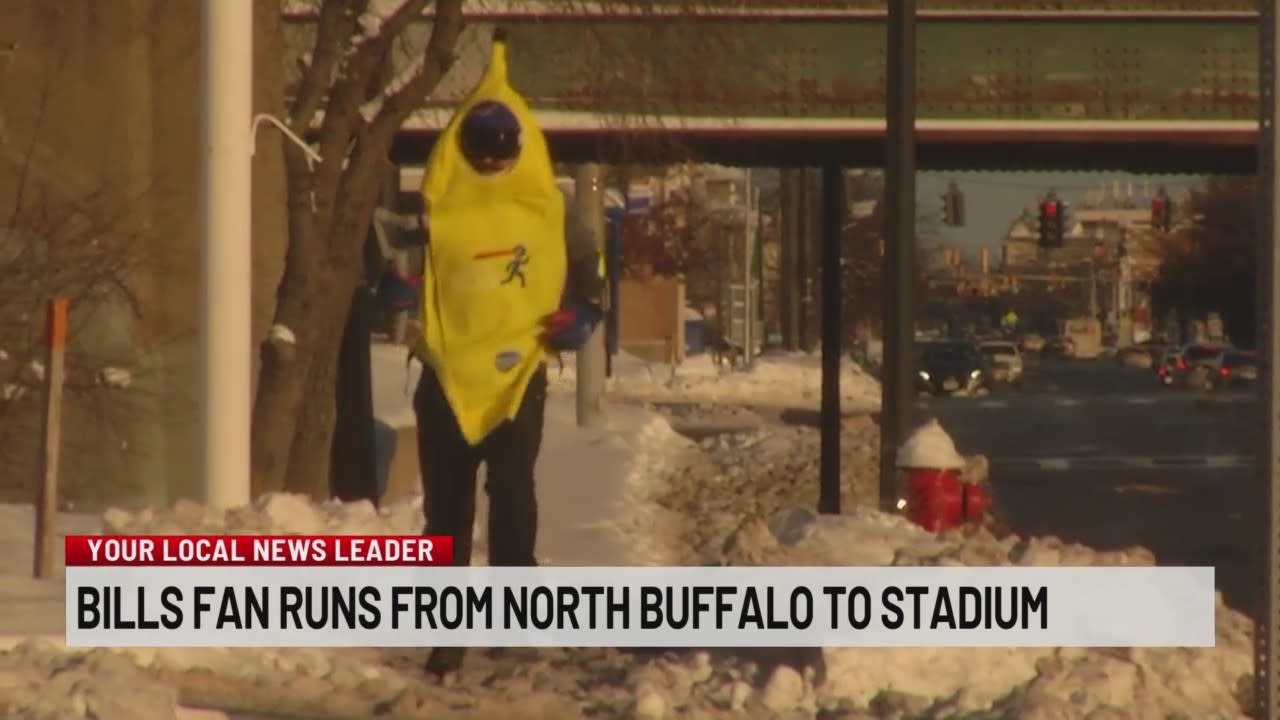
point(507, 280)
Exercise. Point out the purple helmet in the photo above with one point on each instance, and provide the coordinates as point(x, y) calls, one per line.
point(490, 131)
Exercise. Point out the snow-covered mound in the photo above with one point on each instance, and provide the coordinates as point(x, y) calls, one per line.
point(39, 680)
point(274, 514)
point(43, 681)
point(781, 380)
point(1003, 682)
point(930, 447)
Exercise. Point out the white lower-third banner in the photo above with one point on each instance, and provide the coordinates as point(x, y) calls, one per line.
point(403, 606)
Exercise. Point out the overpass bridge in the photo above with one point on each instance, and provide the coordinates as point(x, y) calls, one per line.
point(1154, 85)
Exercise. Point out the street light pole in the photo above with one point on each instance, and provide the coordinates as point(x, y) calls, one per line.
point(589, 207)
point(897, 388)
point(226, 258)
point(1267, 517)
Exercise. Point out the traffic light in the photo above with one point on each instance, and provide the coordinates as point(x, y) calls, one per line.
point(953, 207)
point(1161, 212)
point(1053, 221)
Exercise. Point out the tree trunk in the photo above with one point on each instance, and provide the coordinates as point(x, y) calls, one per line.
point(309, 457)
point(276, 407)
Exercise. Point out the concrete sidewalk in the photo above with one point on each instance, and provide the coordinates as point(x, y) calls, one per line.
point(585, 477)
point(583, 474)
point(30, 607)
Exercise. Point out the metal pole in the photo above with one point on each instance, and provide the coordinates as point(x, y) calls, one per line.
point(1267, 617)
point(813, 258)
point(832, 298)
point(788, 287)
point(897, 389)
point(1093, 288)
point(226, 261)
point(747, 305)
point(589, 206)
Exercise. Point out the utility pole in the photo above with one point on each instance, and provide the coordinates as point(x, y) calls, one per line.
point(748, 246)
point(1267, 519)
point(589, 207)
point(833, 206)
point(788, 288)
point(225, 255)
point(1093, 288)
point(897, 388)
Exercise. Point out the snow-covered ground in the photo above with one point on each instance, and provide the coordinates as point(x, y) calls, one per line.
point(729, 500)
point(588, 477)
point(41, 680)
point(785, 380)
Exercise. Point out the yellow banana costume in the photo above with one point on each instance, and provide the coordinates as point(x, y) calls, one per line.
point(495, 265)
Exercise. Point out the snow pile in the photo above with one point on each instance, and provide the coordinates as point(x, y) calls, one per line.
point(274, 514)
point(930, 447)
point(707, 493)
point(40, 680)
point(1016, 682)
point(775, 380)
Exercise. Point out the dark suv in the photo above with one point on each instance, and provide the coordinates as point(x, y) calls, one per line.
point(950, 368)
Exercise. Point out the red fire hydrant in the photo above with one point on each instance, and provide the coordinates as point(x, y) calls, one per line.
point(936, 498)
point(976, 502)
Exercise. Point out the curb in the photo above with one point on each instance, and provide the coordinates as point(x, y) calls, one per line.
point(1219, 404)
point(9, 642)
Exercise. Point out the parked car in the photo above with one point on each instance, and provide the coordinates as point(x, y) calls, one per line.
point(1239, 369)
point(1142, 356)
point(1168, 366)
point(1061, 346)
point(1004, 361)
point(952, 368)
point(1197, 366)
point(1032, 343)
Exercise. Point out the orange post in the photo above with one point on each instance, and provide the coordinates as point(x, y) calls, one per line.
point(47, 494)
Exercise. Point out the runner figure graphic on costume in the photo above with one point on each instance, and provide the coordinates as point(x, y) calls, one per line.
point(515, 268)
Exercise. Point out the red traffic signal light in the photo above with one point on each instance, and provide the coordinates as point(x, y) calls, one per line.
point(1050, 208)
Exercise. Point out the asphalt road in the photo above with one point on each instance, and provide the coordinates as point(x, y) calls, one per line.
point(1095, 453)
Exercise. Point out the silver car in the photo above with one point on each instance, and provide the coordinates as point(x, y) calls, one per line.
point(1004, 359)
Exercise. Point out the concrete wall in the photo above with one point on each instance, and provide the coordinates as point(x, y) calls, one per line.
point(101, 100)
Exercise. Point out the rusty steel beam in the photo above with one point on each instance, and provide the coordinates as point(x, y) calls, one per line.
point(753, 10)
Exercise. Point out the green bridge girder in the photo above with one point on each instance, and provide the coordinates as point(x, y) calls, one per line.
point(1174, 72)
point(1042, 69)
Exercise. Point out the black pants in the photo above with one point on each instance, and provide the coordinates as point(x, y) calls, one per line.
point(449, 464)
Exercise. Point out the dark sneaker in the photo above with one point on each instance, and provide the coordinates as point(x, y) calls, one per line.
point(444, 663)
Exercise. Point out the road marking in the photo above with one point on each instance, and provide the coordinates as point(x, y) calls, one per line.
point(1141, 400)
point(1139, 462)
point(1065, 402)
point(1227, 461)
point(1164, 463)
point(993, 403)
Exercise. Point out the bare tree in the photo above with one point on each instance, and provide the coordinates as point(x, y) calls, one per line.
point(352, 107)
point(62, 237)
point(1210, 259)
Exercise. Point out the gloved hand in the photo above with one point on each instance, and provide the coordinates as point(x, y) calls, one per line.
point(570, 327)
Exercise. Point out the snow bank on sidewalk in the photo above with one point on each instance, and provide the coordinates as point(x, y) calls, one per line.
point(1017, 682)
point(779, 380)
point(274, 514)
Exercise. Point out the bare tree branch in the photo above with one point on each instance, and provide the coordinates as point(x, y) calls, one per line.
point(336, 28)
point(342, 117)
point(371, 144)
point(437, 58)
